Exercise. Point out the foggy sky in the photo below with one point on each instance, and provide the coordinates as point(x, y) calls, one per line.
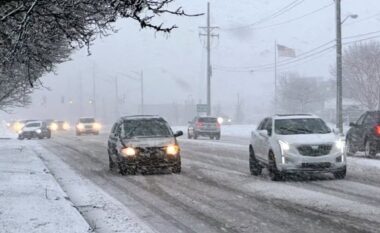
point(174, 65)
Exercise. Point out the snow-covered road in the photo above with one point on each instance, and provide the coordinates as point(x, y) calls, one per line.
point(216, 193)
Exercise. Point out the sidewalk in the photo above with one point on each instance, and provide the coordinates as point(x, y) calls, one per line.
point(30, 198)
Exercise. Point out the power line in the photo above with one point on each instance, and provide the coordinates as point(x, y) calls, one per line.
point(274, 15)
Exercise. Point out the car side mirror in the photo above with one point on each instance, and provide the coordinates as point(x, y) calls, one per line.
point(263, 133)
point(352, 124)
point(178, 134)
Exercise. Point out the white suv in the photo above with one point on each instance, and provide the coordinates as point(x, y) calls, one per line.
point(296, 144)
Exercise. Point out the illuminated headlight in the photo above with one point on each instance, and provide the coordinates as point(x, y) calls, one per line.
point(38, 131)
point(128, 152)
point(66, 126)
point(20, 132)
point(340, 145)
point(80, 126)
point(172, 149)
point(220, 120)
point(8, 124)
point(97, 126)
point(54, 126)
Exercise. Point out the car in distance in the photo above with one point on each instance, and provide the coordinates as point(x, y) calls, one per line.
point(287, 144)
point(364, 134)
point(143, 143)
point(204, 126)
point(34, 129)
point(61, 126)
point(87, 125)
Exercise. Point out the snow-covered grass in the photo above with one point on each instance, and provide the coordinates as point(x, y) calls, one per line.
point(30, 198)
point(5, 133)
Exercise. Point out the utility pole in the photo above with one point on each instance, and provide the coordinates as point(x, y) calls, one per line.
point(93, 90)
point(209, 34)
point(142, 91)
point(339, 68)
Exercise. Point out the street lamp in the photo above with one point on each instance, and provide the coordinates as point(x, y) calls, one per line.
point(339, 65)
point(352, 16)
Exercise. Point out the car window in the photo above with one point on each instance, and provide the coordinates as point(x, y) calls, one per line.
point(87, 120)
point(301, 126)
point(261, 125)
point(207, 120)
point(268, 126)
point(360, 120)
point(146, 128)
point(372, 118)
point(114, 127)
point(30, 125)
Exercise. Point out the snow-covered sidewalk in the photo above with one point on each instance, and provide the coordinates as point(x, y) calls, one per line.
point(31, 200)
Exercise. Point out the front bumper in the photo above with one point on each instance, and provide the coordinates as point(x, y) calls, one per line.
point(30, 135)
point(151, 161)
point(292, 163)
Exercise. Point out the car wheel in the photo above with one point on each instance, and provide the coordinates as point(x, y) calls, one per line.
point(29, 138)
point(369, 149)
point(78, 134)
point(20, 138)
point(254, 166)
point(339, 175)
point(195, 136)
point(177, 168)
point(188, 135)
point(274, 173)
point(217, 137)
point(350, 150)
point(112, 164)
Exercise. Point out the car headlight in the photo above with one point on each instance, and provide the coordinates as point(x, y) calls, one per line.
point(80, 126)
point(340, 145)
point(66, 126)
point(97, 126)
point(38, 131)
point(284, 146)
point(172, 149)
point(53, 126)
point(20, 132)
point(220, 120)
point(128, 152)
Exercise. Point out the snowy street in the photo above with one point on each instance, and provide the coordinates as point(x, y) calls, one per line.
point(216, 193)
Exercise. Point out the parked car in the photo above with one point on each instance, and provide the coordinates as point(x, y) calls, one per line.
point(287, 144)
point(34, 129)
point(364, 134)
point(143, 142)
point(87, 125)
point(204, 126)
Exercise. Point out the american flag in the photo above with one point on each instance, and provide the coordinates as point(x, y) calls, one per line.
point(284, 51)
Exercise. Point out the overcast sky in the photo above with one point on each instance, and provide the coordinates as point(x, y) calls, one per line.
point(174, 65)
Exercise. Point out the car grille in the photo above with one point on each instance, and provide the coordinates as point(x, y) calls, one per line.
point(316, 165)
point(88, 126)
point(317, 150)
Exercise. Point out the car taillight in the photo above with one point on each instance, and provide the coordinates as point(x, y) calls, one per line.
point(377, 130)
point(218, 125)
point(199, 124)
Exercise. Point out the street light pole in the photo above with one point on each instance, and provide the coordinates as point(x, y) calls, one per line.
point(339, 68)
point(142, 92)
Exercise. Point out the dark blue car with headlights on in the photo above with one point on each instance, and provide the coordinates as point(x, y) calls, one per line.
point(145, 143)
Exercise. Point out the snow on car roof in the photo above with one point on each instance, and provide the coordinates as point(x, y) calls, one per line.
point(32, 122)
point(141, 117)
point(294, 116)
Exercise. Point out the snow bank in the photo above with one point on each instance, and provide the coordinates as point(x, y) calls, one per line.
point(30, 198)
point(103, 212)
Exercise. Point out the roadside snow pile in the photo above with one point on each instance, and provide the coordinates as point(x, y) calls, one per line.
point(5, 133)
point(30, 198)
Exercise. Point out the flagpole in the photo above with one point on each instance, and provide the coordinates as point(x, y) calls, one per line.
point(275, 76)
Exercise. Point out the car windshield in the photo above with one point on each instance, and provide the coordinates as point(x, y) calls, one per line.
point(373, 117)
point(207, 120)
point(31, 125)
point(146, 128)
point(87, 120)
point(301, 126)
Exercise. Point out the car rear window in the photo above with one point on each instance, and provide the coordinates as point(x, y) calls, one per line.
point(373, 117)
point(30, 125)
point(207, 120)
point(87, 120)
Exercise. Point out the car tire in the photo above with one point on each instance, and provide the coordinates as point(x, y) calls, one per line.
point(29, 138)
point(254, 166)
point(350, 150)
point(20, 138)
point(274, 173)
point(112, 164)
point(370, 151)
point(340, 175)
point(195, 136)
point(217, 137)
point(78, 134)
point(188, 135)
